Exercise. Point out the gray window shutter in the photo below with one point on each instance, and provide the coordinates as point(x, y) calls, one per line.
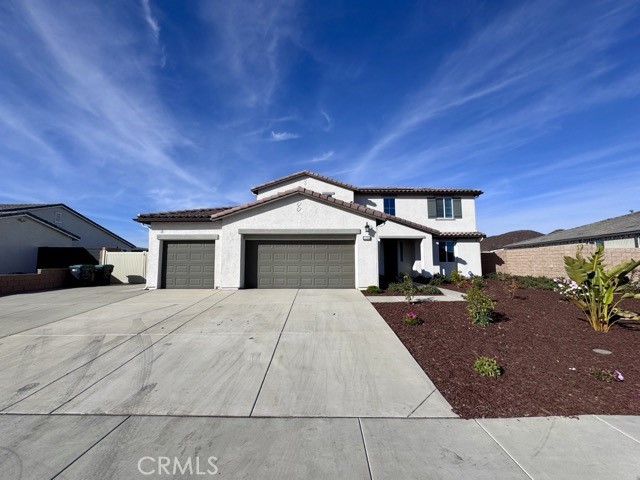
point(431, 207)
point(457, 208)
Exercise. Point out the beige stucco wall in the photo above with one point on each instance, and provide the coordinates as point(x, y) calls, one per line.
point(547, 261)
point(468, 259)
point(19, 242)
point(414, 208)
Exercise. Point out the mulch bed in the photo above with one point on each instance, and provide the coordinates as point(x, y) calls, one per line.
point(543, 345)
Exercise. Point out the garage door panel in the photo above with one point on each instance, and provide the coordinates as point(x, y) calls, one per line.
point(300, 264)
point(188, 264)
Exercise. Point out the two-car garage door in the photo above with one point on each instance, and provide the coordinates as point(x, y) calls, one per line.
point(299, 264)
point(268, 264)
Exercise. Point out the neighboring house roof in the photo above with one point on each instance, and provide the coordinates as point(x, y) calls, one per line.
point(356, 189)
point(27, 207)
point(6, 214)
point(356, 207)
point(496, 242)
point(618, 227)
point(195, 215)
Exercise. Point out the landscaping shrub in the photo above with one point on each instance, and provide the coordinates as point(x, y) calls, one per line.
point(512, 287)
point(428, 290)
point(457, 278)
point(405, 287)
point(606, 375)
point(480, 306)
point(487, 367)
point(596, 291)
point(438, 279)
point(411, 318)
point(541, 283)
point(373, 289)
point(502, 277)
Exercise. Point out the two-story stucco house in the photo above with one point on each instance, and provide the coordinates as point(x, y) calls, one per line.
point(310, 231)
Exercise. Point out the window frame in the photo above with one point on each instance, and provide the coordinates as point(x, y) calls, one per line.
point(447, 253)
point(390, 207)
point(443, 201)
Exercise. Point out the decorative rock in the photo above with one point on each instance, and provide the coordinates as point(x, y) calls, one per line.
point(601, 351)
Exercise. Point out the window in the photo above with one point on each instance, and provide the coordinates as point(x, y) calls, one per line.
point(444, 208)
point(445, 251)
point(390, 206)
point(58, 217)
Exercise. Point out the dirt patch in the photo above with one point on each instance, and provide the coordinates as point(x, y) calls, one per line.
point(542, 343)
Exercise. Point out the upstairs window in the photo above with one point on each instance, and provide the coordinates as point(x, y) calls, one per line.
point(445, 251)
point(445, 207)
point(390, 206)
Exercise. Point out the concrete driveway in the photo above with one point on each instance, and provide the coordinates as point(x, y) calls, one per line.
point(272, 353)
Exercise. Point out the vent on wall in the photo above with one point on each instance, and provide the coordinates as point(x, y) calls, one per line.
point(58, 217)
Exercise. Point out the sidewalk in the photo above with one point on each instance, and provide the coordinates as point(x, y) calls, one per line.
point(125, 447)
point(447, 296)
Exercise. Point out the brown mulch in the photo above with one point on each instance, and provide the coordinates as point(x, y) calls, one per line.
point(543, 345)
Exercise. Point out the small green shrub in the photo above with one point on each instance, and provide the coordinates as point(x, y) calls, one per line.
point(480, 306)
point(438, 279)
point(501, 277)
point(457, 278)
point(411, 318)
point(405, 287)
point(539, 283)
point(487, 367)
point(373, 289)
point(477, 281)
point(606, 375)
point(428, 290)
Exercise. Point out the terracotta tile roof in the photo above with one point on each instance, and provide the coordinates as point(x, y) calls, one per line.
point(330, 200)
point(302, 173)
point(195, 215)
point(356, 189)
point(428, 190)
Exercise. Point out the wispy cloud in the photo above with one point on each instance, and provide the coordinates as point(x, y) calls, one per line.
point(323, 157)
point(511, 79)
point(250, 37)
point(280, 136)
point(150, 19)
point(328, 119)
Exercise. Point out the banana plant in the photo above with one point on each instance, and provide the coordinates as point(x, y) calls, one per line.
point(600, 290)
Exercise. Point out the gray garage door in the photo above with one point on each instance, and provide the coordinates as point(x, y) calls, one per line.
point(188, 264)
point(299, 264)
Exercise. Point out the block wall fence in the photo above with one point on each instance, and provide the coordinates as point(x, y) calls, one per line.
point(44, 279)
point(547, 261)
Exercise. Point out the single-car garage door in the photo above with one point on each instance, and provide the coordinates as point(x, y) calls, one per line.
point(299, 264)
point(188, 264)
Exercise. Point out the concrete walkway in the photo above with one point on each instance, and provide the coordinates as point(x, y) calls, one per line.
point(447, 296)
point(114, 382)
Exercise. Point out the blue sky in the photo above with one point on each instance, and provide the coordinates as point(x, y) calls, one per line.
point(121, 107)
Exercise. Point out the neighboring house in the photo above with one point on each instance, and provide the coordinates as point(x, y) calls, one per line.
point(617, 232)
point(26, 227)
point(496, 242)
point(310, 231)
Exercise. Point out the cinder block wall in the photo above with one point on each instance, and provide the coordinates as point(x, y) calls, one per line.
point(547, 261)
point(26, 282)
